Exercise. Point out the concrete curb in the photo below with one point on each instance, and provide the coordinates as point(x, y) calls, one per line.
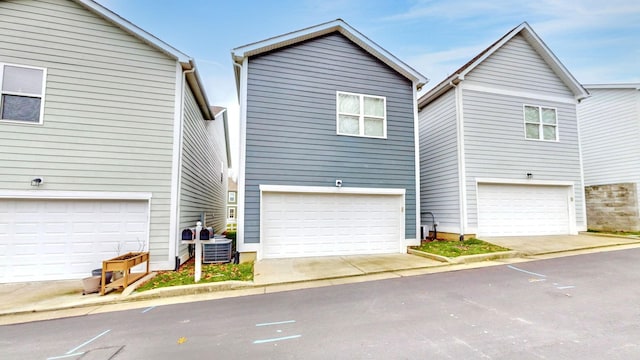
point(467, 259)
point(192, 289)
point(632, 237)
point(429, 255)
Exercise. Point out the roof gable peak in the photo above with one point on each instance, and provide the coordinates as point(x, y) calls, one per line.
point(240, 53)
point(533, 40)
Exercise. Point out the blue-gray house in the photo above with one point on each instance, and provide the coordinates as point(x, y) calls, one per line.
point(328, 146)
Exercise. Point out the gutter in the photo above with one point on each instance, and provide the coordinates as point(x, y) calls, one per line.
point(193, 78)
point(439, 90)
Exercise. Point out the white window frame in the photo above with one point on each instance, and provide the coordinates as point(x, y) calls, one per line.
point(41, 95)
point(361, 115)
point(540, 123)
point(231, 199)
point(231, 210)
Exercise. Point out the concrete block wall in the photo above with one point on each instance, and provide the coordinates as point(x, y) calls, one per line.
point(613, 207)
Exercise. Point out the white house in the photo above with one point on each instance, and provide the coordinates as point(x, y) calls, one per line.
point(499, 144)
point(108, 143)
point(609, 130)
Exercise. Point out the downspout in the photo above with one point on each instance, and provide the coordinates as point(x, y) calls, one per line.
point(462, 193)
point(179, 182)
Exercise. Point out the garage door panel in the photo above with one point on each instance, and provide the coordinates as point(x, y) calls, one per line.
point(66, 239)
point(296, 225)
point(515, 210)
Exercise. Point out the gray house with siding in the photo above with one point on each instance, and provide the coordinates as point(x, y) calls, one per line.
point(609, 131)
point(328, 157)
point(108, 143)
point(499, 146)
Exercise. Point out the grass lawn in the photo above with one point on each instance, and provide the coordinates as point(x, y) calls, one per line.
point(210, 273)
point(460, 248)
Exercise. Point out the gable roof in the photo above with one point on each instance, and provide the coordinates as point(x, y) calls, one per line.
point(186, 62)
point(538, 45)
point(240, 53)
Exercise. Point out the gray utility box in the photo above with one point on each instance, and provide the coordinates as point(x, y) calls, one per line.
point(218, 251)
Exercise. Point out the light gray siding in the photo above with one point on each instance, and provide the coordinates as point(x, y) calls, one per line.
point(291, 124)
point(439, 184)
point(495, 146)
point(610, 133)
point(203, 185)
point(109, 109)
point(517, 66)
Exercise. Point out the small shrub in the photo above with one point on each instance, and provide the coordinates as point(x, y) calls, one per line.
point(231, 235)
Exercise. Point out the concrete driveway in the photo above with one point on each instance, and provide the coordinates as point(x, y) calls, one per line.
point(283, 271)
point(538, 245)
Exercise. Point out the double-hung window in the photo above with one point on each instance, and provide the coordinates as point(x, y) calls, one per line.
point(21, 93)
point(232, 196)
point(541, 123)
point(361, 115)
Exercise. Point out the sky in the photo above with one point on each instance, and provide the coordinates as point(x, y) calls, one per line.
point(598, 41)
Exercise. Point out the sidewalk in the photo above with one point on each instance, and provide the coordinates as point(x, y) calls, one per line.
point(21, 302)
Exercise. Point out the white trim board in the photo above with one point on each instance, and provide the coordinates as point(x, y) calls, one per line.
point(81, 195)
point(516, 93)
point(331, 190)
point(524, 182)
point(240, 191)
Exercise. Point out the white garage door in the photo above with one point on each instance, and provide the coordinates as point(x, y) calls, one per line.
point(66, 239)
point(515, 210)
point(303, 224)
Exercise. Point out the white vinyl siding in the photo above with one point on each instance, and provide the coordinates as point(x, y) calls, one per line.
point(22, 93)
point(609, 130)
point(495, 147)
point(108, 114)
point(361, 115)
point(517, 66)
point(439, 184)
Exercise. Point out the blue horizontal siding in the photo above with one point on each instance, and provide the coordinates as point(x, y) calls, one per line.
point(291, 124)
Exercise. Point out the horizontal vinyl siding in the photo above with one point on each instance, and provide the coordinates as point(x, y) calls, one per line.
point(109, 108)
point(291, 124)
point(610, 133)
point(495, 146)
point(517, 66)
point(203, 187)
point(439, 184)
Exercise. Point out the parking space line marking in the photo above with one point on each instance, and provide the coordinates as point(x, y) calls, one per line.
point(565, 287)
point(87, 342)
point(276, 323)
point(525, 271)
point(65, 356)
point(148, 309)
point(277, 339)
